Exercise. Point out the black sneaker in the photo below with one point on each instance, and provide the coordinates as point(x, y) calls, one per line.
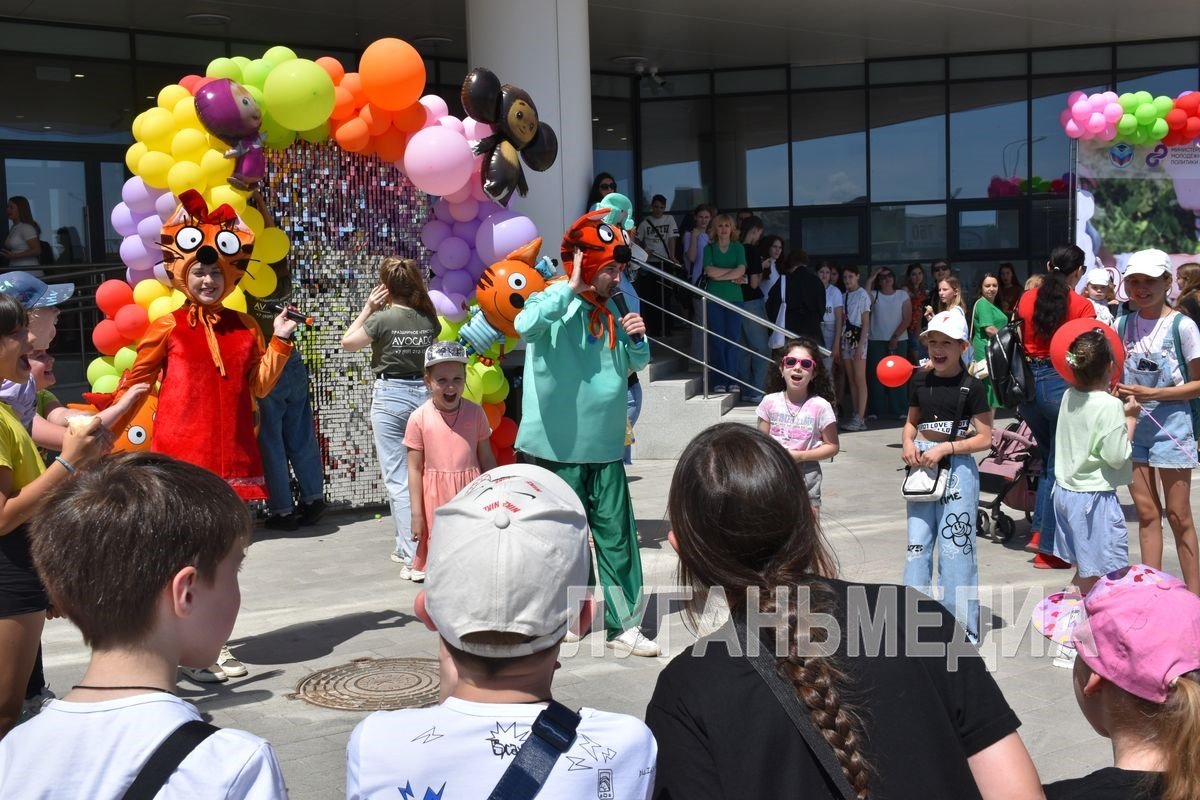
point(282, 522)
point(311, 513)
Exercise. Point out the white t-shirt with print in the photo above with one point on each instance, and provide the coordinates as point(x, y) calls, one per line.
point(833, 300)
point(652, 232)
point(858, 303)
point(1151, 337)
point(458, 750)
point(796, 427)
point(95, 750)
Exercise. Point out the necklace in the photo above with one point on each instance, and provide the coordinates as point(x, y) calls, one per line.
point(122, 688)
point(457, 411)
point(789, 405)
point(1143, 341)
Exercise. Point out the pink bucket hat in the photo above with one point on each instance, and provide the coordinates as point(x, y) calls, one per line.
point(1138, 628)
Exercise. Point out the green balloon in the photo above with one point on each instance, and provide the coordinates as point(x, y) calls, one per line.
point(99, 367)
point(449, 331)
point(316, 135)
point(1143, 97)
point(1158, 129)
point(224, 68)
point(105, 384)
point(1128, 102)
point(124, 359)
point(241, 61)
point(278, 55)
point(276, 136)
point(1127, 124)
point(1145, 114)
point(299, 94)
point(1163, 104)
point(255, 73)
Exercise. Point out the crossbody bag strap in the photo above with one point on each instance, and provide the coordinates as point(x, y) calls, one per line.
point(552, 735)
point(764, 664)
point(964, 391)
point(166, 759)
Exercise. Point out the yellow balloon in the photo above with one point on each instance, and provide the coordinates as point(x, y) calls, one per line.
point(154, 167)
point(134, 154)
point(227, 195)
point(185, 114)
point(271, 246)
point(177, 298)
point(185, 175)
point(217, 168)
point(254, 220)
point(158, 307)
point(136, 127)
point(169, 95)
point(260, 280)
point(189, 145)
point(236, 301)
point(158, 129)
point(149, 290)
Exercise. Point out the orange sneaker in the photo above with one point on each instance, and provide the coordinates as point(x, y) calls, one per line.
point(1047, 561)
point(1034, 543)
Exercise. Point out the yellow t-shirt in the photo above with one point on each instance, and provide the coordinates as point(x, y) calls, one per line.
point(17, 450)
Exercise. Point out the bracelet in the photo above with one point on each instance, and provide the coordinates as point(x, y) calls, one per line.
point(951, 447)
point(66, 464)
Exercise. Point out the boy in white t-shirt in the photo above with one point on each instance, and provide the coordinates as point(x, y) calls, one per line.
point(507, 579)
point(141, 552)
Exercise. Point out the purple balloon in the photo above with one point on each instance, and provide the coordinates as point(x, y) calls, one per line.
point(135, 276)
point(475, 266)
point(433, 233)
point(137, 255)
point(454, 253)
point(441, 210)
point(436, 266)
point(460, 308)
point(487, 208)
point(138, 196)
point(124, 221)
point(464, 210)
point(160, 272)
point(466, 230)
point(435, 284)
point(462, 194)
point(441, 303)
point(457, 282)
point(150, 229)
point(165, 206)
point(502, 233)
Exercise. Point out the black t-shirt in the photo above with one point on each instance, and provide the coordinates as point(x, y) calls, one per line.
point(937, 397)
point(753, 267)
point(1109, 783)
point(722, 734)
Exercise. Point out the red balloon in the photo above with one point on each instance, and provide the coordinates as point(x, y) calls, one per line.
point(894, 371)
point(505, 433)
point(108, 338)
point(112, 296)
point(132, 321)
point(1065, 336)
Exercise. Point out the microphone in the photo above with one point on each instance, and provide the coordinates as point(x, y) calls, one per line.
point(294, 314)
point(623, 308)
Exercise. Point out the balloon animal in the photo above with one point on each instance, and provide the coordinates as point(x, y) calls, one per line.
point(229, 113)
point(519, 135)
point(502, 291)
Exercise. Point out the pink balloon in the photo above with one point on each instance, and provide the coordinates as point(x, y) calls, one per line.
point(1064, 116)
point(1073, 130)
point(453, 123)
point(1081, 111)
point(1096, 123)
point(466, 230)
point(1109, 97)
point(1110, 132)
point(124, 221)
point(1075, 97)
point(454, 253)
point(502, 233)
point(435, 109)
point(462, 194)
point(457, 282)
point(433, 232)
point(438, 160)
point(1113, 112)
point(441, 210)
point(150, 229)
point(477, 189)
point(464, 210)
point(475, 129)
point(460, 307)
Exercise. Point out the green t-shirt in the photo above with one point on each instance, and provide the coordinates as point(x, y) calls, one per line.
point(734, 256)
point(399, 336)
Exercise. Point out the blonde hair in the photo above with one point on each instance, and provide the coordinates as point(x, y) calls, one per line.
point(957, 302)
point(717, 220)
point(1190, 273)
point(1172, 727)
point(1033, 282)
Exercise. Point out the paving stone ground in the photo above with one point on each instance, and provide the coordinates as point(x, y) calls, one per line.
point(329, 594)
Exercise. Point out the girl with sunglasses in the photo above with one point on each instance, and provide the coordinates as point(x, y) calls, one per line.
point(798, 411)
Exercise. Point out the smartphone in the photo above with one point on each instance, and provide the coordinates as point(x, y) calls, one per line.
point(1146, 365)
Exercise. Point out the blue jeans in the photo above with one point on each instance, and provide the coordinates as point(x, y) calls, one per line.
point(286, 433)
point(723, 355)
point(633, 409)
point(392, 403)
point(950, 525)
point(1042, 417)
point(916, 348)
point(751, 369)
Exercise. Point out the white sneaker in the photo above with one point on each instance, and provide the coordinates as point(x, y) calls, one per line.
point(397, 558)
point(406, 573)
point(213, 674)
point(230, 665)
point(571, 637)
point(634, 642)
point(417, 576)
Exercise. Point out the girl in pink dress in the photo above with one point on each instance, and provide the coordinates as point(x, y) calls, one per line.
point(447, 441)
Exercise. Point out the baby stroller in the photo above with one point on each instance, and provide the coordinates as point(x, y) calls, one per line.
point(1011, 472)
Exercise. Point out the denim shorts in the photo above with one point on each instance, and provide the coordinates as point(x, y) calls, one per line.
point(1090, 531)
point(811, 471)
point(1169, 444)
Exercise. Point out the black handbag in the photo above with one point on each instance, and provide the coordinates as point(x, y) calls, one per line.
point(1011, 377)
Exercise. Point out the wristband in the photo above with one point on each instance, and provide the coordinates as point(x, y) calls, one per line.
point(951, 447)
point(66, 464)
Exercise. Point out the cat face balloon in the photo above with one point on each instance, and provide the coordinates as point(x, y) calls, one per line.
point(194, 235)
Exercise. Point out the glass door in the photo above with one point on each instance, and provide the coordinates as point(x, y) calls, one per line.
point(57, 195)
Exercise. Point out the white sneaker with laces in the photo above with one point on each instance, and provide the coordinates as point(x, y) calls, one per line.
point(230, 665)
point(634, 642)
point(397, 558)
point(417, 576)
point(406, 573)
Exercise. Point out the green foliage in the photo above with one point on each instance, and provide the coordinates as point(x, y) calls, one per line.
point(1136, 214)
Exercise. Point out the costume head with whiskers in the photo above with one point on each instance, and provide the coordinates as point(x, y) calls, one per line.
point(194, 235)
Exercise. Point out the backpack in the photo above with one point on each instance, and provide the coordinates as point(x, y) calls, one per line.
point(1194, 403)
point(1012, 379)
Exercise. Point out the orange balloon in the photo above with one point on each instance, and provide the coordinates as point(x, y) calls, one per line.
point(368, 148)
point(352, 135)
point(376, 118)
point(411, 119)
point(353, 84)
point(393, 73)
point(390, 145)
point(495, 413)
point(343, 104)
point(333, 67)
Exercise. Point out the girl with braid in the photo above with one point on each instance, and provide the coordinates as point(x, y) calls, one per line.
point(904, 703)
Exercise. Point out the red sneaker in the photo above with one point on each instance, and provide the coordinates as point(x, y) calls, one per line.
point(1034, 543)
point(1047, 561)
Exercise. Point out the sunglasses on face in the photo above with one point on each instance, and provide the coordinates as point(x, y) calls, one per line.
point(608, 186)
point(805, 363)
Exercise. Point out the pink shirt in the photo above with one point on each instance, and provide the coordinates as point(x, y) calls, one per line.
point(796, 427)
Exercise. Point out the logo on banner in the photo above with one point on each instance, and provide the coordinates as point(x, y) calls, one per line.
point(1121, 155)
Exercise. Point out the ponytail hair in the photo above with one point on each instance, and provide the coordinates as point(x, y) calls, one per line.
point(1179, 737)
point(1053, 296)
point(743, 523)
point(406, 285)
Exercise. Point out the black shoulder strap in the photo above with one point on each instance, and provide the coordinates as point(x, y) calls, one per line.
point(964, 390)
point(764, 664)
point(553, 734)
point(167, 758)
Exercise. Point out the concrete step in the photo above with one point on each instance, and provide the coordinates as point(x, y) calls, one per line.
point(670, 420)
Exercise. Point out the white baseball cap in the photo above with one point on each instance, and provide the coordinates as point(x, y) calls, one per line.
point(1154, 263)
point(509, 555)
point(1099, 277)
point(952, 323)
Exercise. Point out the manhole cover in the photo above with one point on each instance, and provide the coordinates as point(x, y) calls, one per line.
point(373, 684)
